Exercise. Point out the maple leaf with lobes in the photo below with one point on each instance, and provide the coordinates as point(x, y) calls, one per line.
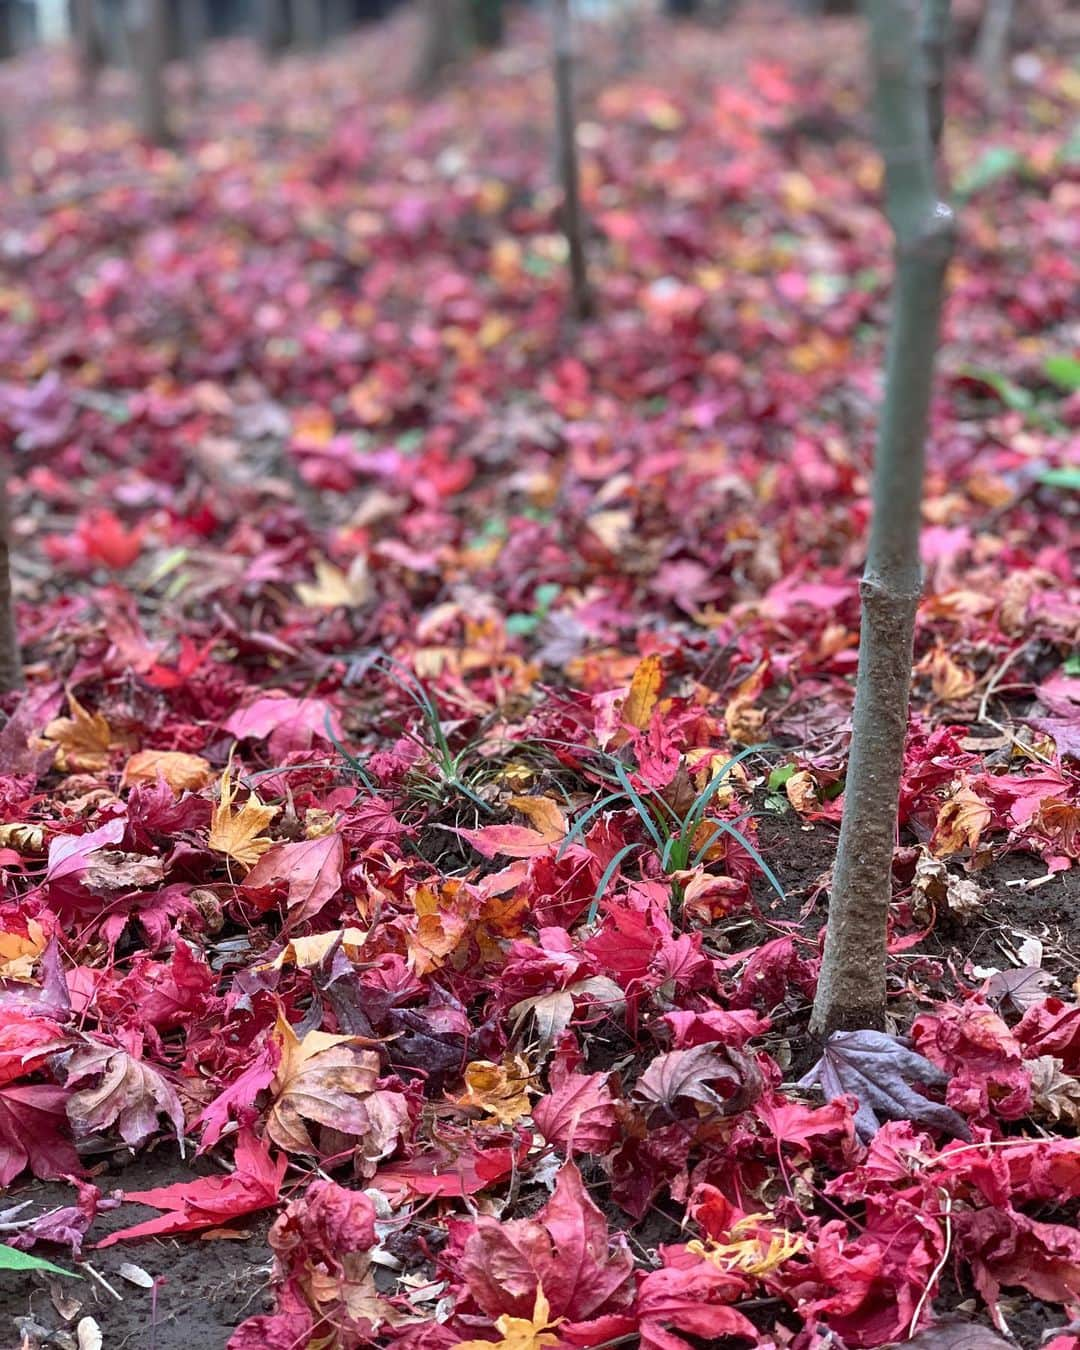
point(239, 833)
point(878, 1071)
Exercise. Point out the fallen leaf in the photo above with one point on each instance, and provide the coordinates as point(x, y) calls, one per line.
point(502, 1090)
point(331, 1081)
point(182, 772)
point(208, 1202)
point(238, 833)
point(130, 1094)
point(310, 868)
point(644, 693)
point(521, 1333)
point(878, 1071)
point(85, 742)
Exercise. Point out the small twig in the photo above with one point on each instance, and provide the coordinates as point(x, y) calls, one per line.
point(103, 1281)
point(935, 1274)
point(984, 717)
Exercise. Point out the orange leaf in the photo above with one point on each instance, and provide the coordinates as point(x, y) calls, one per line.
point(502, 1090)
point(84, 741)
point(644, 692)
point(183, 773)
point(960, 822)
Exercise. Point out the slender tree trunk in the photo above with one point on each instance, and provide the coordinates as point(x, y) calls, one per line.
point(271, 27)
point(194, 22)
point(631, 38)
point(447, 33)
point(89, 47)
point(935, 52)
point(566, 134)
point(307, 24)
point(7, 29)
point(488, 23)
point(11, 676)
point(992, 47)
point(150, 41)
point(851, 989)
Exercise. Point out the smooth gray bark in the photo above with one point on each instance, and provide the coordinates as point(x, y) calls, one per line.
point(11, 676)
point(992, 47)
point(851, 989)
point(149, 25)
point(581, 302)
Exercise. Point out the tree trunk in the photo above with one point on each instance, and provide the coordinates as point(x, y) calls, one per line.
point(447, 30)
point(271, 26)
point(851, 988)
point(7, 29)
point(992, 48)
point(488, 23)
point(89, 46)
point(566, 133)
point(307, 24)
point(194, 23)
point(630, 37)
point(11, 676)
point(150, 40)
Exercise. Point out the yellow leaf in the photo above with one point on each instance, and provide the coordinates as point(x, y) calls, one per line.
point(239, 833)
point(84, 741)
point(333, 587)
point(960, 822)
point(644, 692)
point(23, 837)
point(521, 1333)
point(949, 681)
point(500, 1089)
point(755, 1249)
point(182, 772)
point(19, 952)
point(304, 952)
point(544, 814)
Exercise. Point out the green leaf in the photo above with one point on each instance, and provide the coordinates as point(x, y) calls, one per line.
point(521, 625)
point(12, 1259)
point(1064, 371)
point(1067, 477)
point(997, 162)
point(546, 594)
point(1072, 664)
point(779, 776)
point(1012, 395)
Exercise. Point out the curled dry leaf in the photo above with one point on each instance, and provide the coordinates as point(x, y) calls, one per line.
point(331, 1081)
point(502, 1090)
point(129, 1094)
point(717, 1076)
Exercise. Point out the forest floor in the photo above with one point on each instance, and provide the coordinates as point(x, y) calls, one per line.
point(417, 825)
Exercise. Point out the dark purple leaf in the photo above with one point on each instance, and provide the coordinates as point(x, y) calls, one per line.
point(879, 1071)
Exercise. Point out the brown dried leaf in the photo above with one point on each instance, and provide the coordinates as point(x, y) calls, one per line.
point(84, 741)
point(331, 1081)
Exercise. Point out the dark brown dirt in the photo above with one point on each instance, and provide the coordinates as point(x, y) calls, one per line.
point(206, 1287)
